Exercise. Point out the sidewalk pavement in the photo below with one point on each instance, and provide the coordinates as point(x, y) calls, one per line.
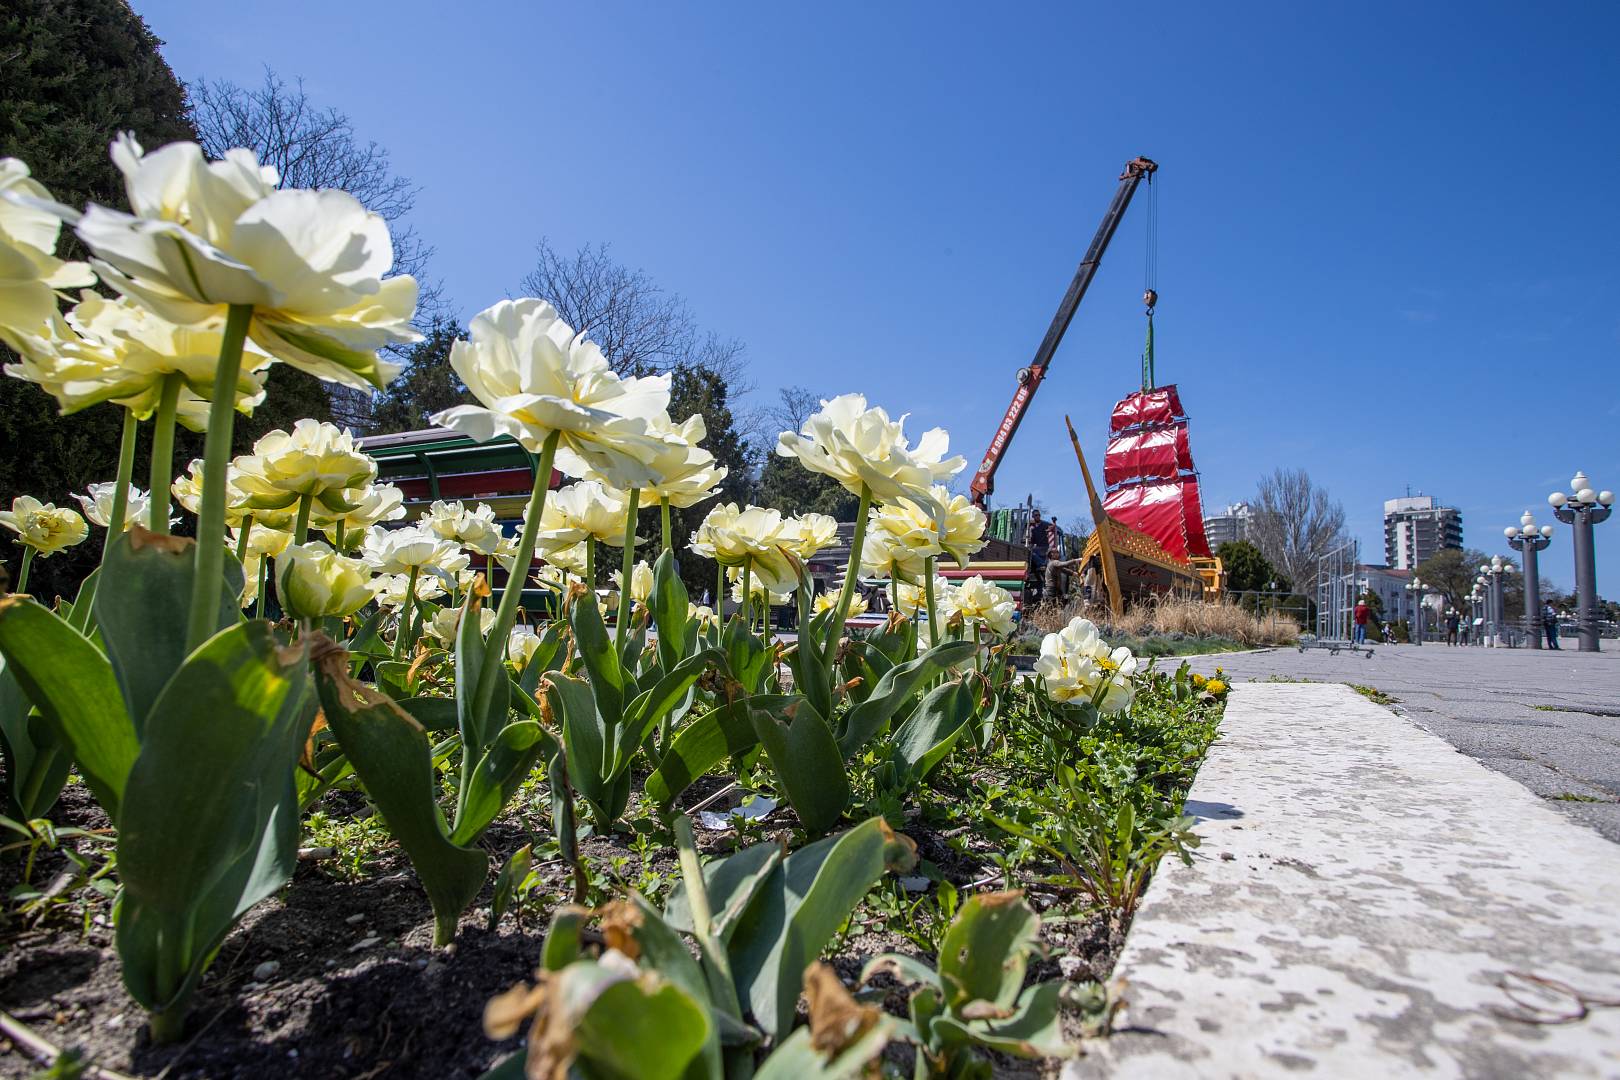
point(1366, 903)
point(1550, 720)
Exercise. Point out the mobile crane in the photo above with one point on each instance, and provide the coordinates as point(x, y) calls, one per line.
point(1029, 378)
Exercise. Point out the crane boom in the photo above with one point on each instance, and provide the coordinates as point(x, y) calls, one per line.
point(1029, 379)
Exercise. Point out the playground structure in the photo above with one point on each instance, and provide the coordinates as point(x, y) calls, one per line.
point(435, 463)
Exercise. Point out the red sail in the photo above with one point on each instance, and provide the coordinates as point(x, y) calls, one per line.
point(1148, 451)
point(1159, 406)
point(1148, 469)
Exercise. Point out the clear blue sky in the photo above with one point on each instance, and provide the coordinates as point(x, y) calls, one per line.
point(1388, 232)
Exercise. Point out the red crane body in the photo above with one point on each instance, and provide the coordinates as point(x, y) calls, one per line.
point(1029, 378)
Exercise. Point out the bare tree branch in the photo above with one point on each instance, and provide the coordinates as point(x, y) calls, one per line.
point(1295, 523)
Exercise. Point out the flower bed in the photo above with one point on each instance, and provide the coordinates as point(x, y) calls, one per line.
point(319, 800)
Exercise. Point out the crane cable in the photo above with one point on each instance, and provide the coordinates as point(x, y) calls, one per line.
point(1150, 279)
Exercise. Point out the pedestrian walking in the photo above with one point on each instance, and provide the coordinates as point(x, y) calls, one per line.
point(1453, 623)
point(1549, 619)
point(1362, 614)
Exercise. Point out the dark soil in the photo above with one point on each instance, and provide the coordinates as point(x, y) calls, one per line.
point(360, 991)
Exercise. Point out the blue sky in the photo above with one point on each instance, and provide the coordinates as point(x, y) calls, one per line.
point(1388, 233)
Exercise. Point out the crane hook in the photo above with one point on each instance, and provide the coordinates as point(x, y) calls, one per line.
point(1151, 299)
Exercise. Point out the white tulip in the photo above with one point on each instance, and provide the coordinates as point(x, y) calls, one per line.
point(314, 459)
point(30, 272)
point(534, 376)
point(205, 235)
point(399, 551)
point(44, 527)
point(475, 528)
point(863, 449)
point(98, 505)
point(641, 581)
point(314, 582)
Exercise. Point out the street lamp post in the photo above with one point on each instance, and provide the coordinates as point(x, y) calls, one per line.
point(1416, 588)
point(1490, 576)
point(1529, 540)
point(1583, 510)
point(1476, 616)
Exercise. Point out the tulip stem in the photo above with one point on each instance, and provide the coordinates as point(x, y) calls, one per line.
point(407, 616)
point(590, 563)
point(850, 572)
point(301, 526)
point(928, 591)
point(622, 623)
point(210, 565)
point(490, 673)
point(264, 583)
point(342, 536)
point(663, 513)
point(748, 595)
point(22, 575)
point(242, 539)
point(126, 472)
point(157, 517)
point(719, 593)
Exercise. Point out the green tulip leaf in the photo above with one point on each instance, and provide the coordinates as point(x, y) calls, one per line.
point(497, 776)
point(895, 688)
point(800, 907)
point(74, 688)
point(927, 735)
point(807, 762)
point(705, 742)
point(1034, 1030)
point(209, 821)
point(391, 754)
point(984, 952)
point(141, 606)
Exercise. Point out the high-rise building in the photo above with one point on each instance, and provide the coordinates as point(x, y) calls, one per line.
point(1231, 525)
point(1415, 529)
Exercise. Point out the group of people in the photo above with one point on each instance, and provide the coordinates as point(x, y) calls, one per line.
point(1457, 630)
point(1049, 573)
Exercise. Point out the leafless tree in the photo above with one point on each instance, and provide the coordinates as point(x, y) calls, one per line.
point(641, 328)
point(1295, 524)
point(794, 406)
point(315, 147)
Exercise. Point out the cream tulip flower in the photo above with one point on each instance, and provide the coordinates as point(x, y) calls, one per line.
point(262, 540)
point(759, 591)
point(521, 644)
point(207, 235)
point(686, 472)
point(911, 600)
point(826, 601)
point(99, 502)
point(116, 350)
point(315, 460)
point(373, 505)
point(641, 581)
point(864, 450)
point(187, 491)
point(883, 556)
point(446, 621)
point(570, 560)
point(533, 376)
point(733, 536)
point(978, 601)
point(30, 272)
point(400, 551)
point(587, 510)
point(391, 590)
point(314, 582)
point(807, 534)
point(475, 528)
point(44, 527)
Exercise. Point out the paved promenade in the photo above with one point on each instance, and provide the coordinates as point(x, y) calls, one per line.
point(1369, 903)
point(1550, 720)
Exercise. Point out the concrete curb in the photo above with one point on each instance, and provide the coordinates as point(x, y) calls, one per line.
point(1361, 897)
